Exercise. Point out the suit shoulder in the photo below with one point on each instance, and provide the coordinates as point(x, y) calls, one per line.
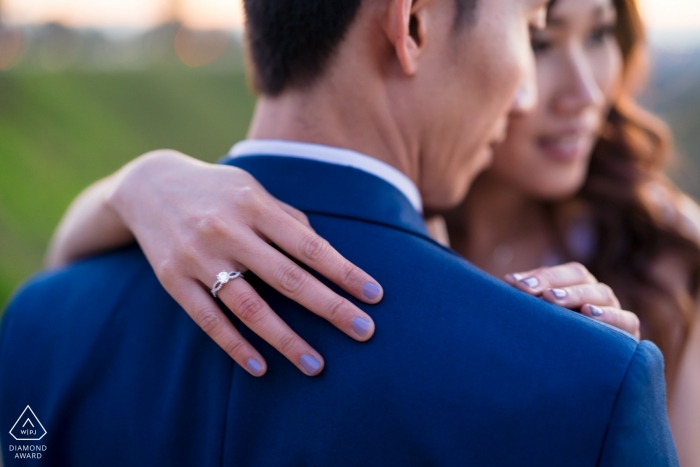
point(638, 432)
point(518, 317)
point(482, 284)
point(77, 277)
point(84, 290)
point(644, 374)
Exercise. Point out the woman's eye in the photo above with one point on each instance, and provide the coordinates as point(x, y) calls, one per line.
point(539, 45)
point(539, 40)
point(600, 35)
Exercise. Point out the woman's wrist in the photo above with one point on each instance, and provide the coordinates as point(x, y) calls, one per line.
point(128, 188)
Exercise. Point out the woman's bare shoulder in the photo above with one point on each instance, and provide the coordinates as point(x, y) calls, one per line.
point(673, 208)
point(689, 217)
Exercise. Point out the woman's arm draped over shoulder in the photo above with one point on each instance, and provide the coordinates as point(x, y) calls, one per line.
point(90, 226)
point(193, 220)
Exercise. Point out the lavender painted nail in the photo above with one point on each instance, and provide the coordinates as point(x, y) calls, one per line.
point(517, 277)
point(596, 311)
point(531, 282)
point(559, 293)
point(310, 364)
point(254, 366)
point(371, 291)
point(361, 326)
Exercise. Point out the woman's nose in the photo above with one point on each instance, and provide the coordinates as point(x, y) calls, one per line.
point(580, 89)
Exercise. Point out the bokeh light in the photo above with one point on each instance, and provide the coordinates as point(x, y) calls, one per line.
point(199, 48)
point(227, 14)
point(10, 47)
point(197, 14)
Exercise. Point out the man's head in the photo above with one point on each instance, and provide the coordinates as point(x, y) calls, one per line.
point(291, 42)
point(433, 79)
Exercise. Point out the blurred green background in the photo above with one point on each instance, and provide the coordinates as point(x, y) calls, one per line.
point(62, 129)
point(77, 105)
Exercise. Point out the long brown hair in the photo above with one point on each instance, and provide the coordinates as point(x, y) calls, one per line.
point(636, 211)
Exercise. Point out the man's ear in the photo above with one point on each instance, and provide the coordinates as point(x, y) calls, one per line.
point(407, 32)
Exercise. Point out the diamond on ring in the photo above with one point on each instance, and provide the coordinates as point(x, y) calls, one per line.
point(222, 278)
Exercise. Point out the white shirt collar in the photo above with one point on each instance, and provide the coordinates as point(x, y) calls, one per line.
point(332, 155)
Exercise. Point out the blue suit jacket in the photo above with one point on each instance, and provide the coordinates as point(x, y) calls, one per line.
point(462, 370)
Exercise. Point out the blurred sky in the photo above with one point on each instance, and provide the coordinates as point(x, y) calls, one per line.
point(225, 14)
point(661, 15)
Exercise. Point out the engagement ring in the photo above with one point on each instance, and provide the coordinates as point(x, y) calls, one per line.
point(222, 278)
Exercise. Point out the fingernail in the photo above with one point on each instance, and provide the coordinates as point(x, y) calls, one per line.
point(254, 366)
point(531, 282)
point(513, 277)
point(310, 364)
point(596, 311)
point(559, 293)
point(371, 291)
point(361, 326)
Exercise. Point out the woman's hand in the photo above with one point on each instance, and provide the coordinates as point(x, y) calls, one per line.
point(572, 286)
point(194, 220)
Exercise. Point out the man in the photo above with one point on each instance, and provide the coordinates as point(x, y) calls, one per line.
point(463, 370)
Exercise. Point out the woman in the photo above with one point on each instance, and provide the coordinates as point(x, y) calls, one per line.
point(578, 181)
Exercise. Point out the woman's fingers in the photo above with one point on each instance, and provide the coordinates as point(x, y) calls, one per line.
point(536, 282)
point(515, 277)
point(244, 302)
point(292, 281)
point(578, 295)
point(572, 286)
point(296, 214)
point(621, 319)
point(312, 250)
point(205, 312)
point(221, 213)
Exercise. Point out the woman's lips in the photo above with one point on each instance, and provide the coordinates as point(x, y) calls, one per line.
point(567, 147)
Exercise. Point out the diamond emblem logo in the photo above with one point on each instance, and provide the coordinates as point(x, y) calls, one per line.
point(28, 427)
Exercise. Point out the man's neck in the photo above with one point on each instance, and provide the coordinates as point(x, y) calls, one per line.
point(313, 118)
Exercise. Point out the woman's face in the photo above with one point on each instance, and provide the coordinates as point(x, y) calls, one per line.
point(579, 68)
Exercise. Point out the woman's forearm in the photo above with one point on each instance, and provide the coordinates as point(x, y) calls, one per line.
point(90, 226)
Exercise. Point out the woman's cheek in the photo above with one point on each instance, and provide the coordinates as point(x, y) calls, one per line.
point(609, 71)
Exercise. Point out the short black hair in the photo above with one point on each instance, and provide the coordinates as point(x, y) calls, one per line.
point(290, 42)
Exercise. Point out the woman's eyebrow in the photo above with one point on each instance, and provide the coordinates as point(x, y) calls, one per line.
point(599, 12)
point(602, 11)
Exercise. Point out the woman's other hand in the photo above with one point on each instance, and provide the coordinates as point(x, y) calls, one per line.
point(573, 286)
point(194, 219)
